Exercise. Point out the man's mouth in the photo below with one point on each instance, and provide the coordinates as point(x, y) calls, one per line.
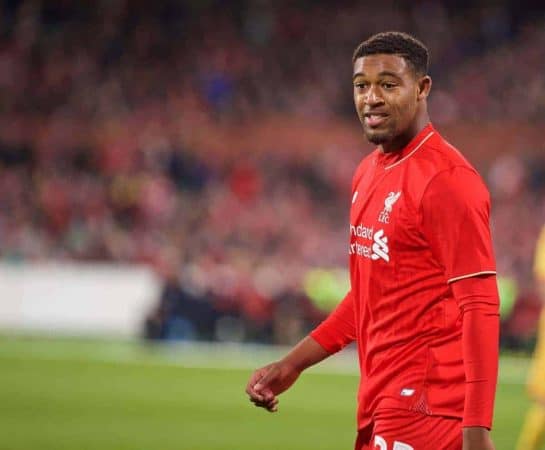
point(374, 120)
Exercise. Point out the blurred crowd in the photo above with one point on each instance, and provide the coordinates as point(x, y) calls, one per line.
point(132, 131)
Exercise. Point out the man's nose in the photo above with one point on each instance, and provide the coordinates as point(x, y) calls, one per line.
point(372, 96)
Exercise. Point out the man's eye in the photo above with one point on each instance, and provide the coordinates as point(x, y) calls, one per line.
point(360, 85)
point(388, 85)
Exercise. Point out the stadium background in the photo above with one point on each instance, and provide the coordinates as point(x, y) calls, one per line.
point(200, 153)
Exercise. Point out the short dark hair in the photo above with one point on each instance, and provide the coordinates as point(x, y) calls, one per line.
point(396, 43)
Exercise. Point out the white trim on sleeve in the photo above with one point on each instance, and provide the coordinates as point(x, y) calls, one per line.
point(469, 275)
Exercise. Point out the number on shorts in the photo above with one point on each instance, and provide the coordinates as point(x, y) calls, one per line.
point(402, 446)
point(380, 444)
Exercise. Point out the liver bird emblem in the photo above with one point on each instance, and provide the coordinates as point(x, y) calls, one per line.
point(390, 200)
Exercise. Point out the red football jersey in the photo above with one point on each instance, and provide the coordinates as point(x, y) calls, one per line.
point(419, 220)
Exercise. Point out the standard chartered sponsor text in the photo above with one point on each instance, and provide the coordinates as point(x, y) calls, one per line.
point(378, 250)
point(361, 231)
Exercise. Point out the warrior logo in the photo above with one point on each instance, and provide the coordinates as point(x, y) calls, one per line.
point(384, 216)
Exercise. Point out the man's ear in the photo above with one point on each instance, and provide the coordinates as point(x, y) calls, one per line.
point(424, 87)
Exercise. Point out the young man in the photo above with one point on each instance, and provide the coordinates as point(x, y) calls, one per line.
point(533, 430)
point(423, 303)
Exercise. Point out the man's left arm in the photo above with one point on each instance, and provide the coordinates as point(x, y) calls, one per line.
point(479, 303)
point(455, 213)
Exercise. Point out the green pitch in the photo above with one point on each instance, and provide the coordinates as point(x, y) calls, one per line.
point(96, 395)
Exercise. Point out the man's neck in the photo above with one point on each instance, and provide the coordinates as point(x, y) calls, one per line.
point(401, 141)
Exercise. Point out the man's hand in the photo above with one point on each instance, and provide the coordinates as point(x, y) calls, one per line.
point(269, 381)
point(477, 438)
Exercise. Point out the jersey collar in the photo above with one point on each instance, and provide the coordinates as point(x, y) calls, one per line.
point(391, 160)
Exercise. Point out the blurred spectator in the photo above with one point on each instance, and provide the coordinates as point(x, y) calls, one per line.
point(218, 131)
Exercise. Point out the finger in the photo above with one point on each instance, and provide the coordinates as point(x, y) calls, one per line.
point(269, 405)
point(257, 375)
point(273, 407)
point(252, 381)
point(267, 394)
point(264, 402)
point(255, 396)
point(266, 379)
point(264, 383)
point(263, 405)
point(258, 402)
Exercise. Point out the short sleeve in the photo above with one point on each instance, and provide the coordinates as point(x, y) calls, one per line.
point(338, 329)
point(455, 212)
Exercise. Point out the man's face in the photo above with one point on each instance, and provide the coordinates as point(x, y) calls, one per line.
point(386, 95)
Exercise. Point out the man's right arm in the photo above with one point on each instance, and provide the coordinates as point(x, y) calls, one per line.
point(330, 336)
point(339, 329)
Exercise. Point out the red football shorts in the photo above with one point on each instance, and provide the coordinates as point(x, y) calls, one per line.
point(397, 429)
